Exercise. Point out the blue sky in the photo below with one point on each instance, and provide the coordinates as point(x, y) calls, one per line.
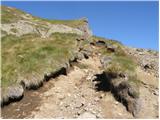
point(133, 23)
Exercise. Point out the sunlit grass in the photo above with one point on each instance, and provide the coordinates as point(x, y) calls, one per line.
point(30, 54)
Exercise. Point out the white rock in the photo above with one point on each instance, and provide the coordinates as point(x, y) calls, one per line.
point(96, 99)
point(156, 93)
point(86, 70)
point(116, 103)
point(68, 94)
point(120, 114)
point(61, 97)
point(87, 115)
point(61, 103)
point(78, 105)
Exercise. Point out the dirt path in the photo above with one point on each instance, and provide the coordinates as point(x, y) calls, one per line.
point(74, 96)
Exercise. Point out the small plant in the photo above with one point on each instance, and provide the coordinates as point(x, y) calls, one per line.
point(114, 67)
point(3, 32)
point(120, 64)
point(82, 66)
point(134, 83)
point(14, 30)
point(132, 79)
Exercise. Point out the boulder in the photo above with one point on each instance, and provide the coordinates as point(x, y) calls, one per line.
point(105, 60)
point(100, 43)
point(92, 43)
point(80, 56)
point(148, 66)
point(15, 92)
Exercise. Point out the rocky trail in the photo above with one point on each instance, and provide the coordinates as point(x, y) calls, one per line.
point(77, 95)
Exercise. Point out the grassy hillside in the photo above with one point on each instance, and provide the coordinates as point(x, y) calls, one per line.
point(30, 57)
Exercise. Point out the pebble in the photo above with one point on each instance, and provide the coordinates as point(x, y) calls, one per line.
point(61, 97)
point(94, 112)
point(61, 103)
point(78, 105)
point(68, 94)
point(120, 114)
point(97, 99)
point(75, 96)
point(18, 109)
point(86, 70)
point(116, 103)
point(89, 78)
point(57, 90)
point(156, 93)
point(101, 96)
point(87, 115)
point(66, 106)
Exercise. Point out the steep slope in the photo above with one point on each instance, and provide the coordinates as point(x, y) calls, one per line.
point(90, 73)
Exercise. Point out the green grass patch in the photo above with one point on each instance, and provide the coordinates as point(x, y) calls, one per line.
point(126, 62)
point(3, 32)
point(133, 80)
point(82, 66)
point(30, 54)
point(106, 40)
point(9, 15)
point(135, 83)
point(121, 64)
point(71, 23)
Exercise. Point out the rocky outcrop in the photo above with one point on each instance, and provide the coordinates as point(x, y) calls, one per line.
point(147, 59)
point(85, 28)
point(123, 92)
point(17, 22)
point(13, 93)
point(23, 27)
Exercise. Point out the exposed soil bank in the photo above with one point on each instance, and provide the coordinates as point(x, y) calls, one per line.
point(23, 108)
